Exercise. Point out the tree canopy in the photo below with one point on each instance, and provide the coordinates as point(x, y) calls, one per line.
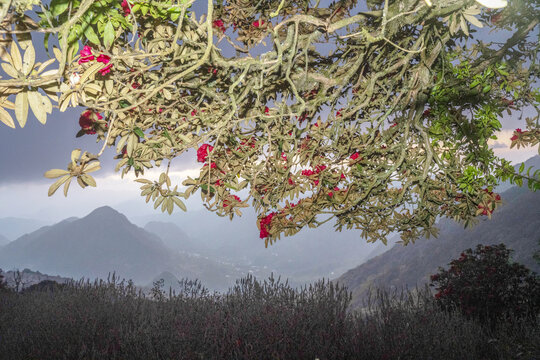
point(375, 115)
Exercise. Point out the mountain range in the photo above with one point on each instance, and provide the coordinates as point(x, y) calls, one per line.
point(516, 224)
point(105, 241)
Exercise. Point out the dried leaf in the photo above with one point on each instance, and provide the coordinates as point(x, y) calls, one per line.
point(6, 118)
point(21, 108)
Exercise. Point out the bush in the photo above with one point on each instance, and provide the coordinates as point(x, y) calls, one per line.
point(485, 285)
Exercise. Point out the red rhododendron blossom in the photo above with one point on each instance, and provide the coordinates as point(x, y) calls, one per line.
point(135, 85)
point(265, 224)
point(426, 112)
point(514, 138)
point(258, 23)
point(283, 156)
point(355, 156)
point(320, 168)
point(519, 131)
point(336, 188)
point(266, 110)
point(105, 70)
point(102, 58)
point(218, 182)
point(126, 8)
point(291, 182)
point(393, 125)
point(330, 194)
point(87, 120)
point(316, 182)
point(212, 165)
point(86, 55)
point(218, 24)
point(342, 176)
point(194, 112)
point(202, 152)
point(307, 172)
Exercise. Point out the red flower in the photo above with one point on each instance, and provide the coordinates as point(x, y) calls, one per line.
point(126, 8)
point(135, 85)
point(226, 202)
point(212, 165)
point(218, 182)
point(316, 182)
point(498, 197)
point(291, 182)
point(307, 172)
point(355, 156)
point(519, 131)
point(266, 110)
point(393, 125)
point(320, 168)
point(103, 59)
point(514, 138)
point(106, 70)
point(426, 112)
point(336, 188)
point(202, 152)
point(219, 25)
point(283, 156)
point(264, 224)
point(194, 112)
point(87, 120)
point(330, 194)
point(342, 176)
point(258, 23)
point(86, 55)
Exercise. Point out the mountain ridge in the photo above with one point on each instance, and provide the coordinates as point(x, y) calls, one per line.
point(516, 223)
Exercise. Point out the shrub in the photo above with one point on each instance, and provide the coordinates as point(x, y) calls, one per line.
point(484, 284)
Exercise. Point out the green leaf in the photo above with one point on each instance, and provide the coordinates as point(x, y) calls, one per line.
point(138, 132)
point(108, 35)
point(91, 35)
point(522, 167)
point(59, 6)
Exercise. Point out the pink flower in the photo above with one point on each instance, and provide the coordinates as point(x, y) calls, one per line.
point(102, 58)
point(258, 23)
point(126, 8)
point(86, 55)
point(203, 151)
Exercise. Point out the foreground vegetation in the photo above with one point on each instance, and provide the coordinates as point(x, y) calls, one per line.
point(254, 320)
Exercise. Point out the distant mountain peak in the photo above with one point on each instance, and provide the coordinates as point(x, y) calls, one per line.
point(105, 213)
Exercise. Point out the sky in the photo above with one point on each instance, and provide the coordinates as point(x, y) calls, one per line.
point(25, 154)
